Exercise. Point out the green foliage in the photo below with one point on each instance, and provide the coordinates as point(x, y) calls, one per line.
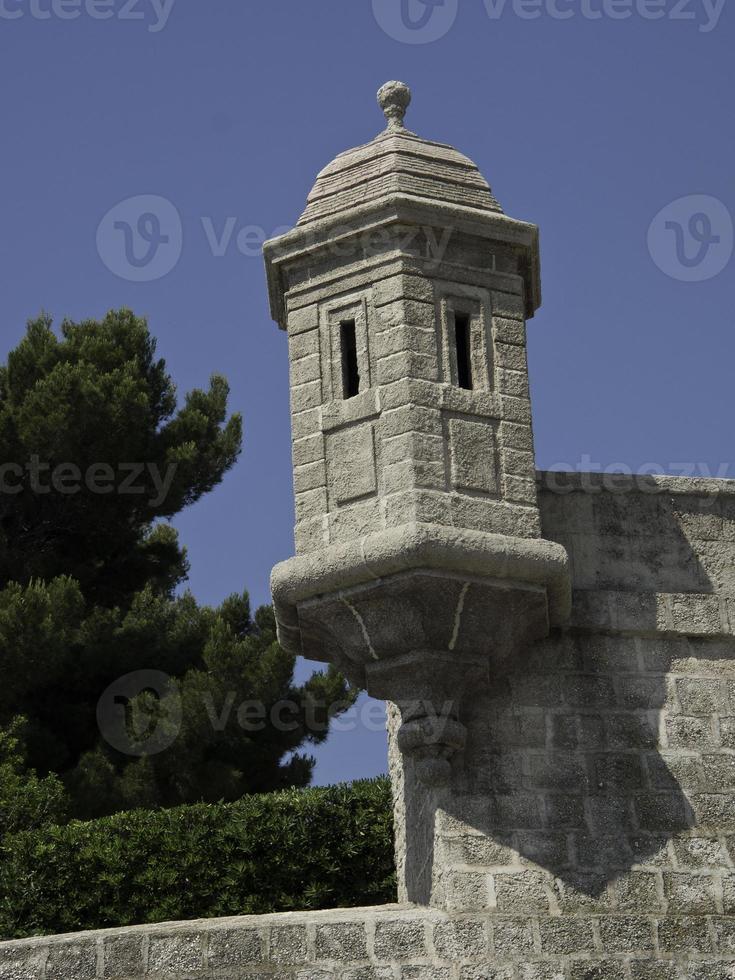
point(97, 397)
point(214, 756)
point(57, 657)
point(26, 802)
point(307, 849)
point(87, 580)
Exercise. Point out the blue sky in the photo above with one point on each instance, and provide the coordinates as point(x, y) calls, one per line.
point(607, 122)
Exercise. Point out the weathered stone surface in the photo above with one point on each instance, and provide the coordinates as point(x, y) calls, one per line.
point(344, 942)
point(586, 828)
point(123, 957)
point(399, 286)
point(174, 954)
point(460, 940)
point(234, 948)
point(399, 940)
point(288, 944)
point(75, 960)
point(20, 961)
point(472, 452)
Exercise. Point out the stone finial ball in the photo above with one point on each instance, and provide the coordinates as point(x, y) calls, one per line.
point(394, 98)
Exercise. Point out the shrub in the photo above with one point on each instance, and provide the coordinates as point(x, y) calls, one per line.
point(296, 849)
point(26, 802)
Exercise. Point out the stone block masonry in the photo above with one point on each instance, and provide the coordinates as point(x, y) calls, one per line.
point(391, 943)
point(557, 650)
point(418, 533)
point(590, 828)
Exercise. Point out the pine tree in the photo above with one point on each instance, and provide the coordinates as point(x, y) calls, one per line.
point(95, 458)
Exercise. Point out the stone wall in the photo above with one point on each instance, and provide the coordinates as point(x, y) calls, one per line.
point(390, 943)
point(589, 833)
point(378, 459)
point(597, 790)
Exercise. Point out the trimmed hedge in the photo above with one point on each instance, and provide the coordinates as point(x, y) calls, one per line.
point(298, 849)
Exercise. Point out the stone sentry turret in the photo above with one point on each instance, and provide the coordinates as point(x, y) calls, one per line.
point(420, 566)
point(563, 802)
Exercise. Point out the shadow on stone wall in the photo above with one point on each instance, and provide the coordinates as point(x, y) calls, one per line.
point(578, 759)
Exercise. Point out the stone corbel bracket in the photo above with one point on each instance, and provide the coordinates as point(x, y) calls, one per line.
point(420, 613)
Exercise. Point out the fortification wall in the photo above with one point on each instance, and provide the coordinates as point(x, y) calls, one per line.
point(388, 943)
point(597, 791)
point(589, 832)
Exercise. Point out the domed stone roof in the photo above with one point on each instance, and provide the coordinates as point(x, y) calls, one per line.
point(398, 162)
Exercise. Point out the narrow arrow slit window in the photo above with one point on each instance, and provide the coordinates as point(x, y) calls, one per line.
point(463, 350)
point(350, 372)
